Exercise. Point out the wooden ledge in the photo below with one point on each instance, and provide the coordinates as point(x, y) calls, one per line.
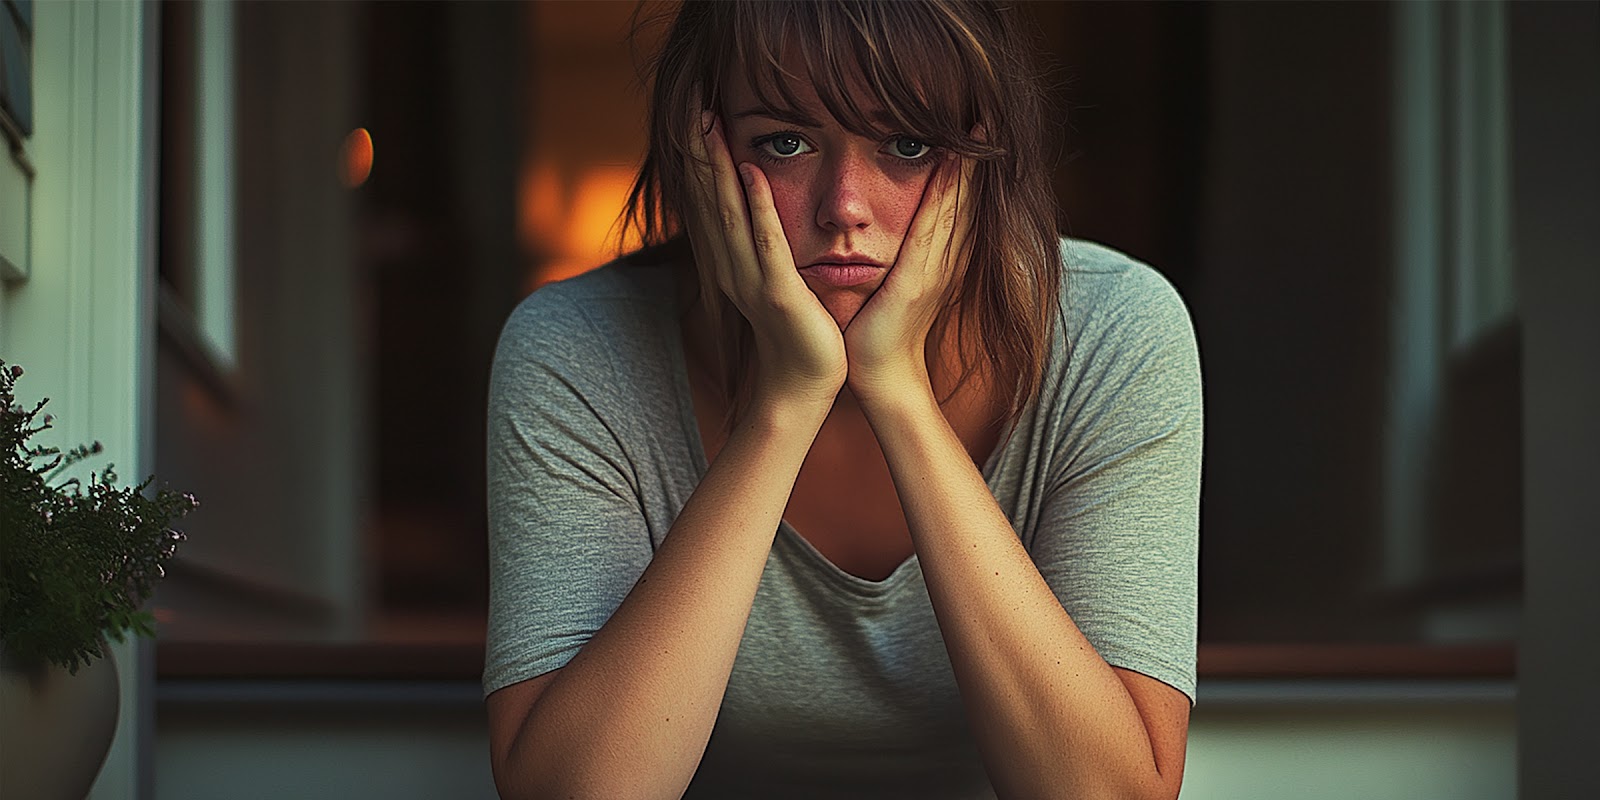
point(1358, 661)
point(463, 661)
point(411, 661)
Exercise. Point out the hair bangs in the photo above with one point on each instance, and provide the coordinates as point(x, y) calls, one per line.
point(900, 54)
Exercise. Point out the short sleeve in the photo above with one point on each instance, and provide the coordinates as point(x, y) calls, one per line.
point(567, 538)
point(1118, 536)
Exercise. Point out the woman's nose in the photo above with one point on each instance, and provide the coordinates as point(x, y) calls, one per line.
point(843, 205)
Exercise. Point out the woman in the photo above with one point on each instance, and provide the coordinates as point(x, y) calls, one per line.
point(820, 504)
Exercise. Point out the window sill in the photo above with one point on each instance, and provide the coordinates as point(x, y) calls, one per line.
point(1492, 660)
point(453, 650)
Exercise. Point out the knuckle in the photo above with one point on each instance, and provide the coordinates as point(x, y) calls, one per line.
point(765, 242)
point(728, 221)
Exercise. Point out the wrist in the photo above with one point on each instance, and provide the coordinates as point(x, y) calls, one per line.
point(904, 393)
point(791, 410)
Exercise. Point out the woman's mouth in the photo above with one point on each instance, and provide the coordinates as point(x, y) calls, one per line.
point(842, 275)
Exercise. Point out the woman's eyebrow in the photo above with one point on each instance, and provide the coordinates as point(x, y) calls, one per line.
point(791, 117)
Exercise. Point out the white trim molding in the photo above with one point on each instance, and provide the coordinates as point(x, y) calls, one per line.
point(216, 307)
point(16, 207)
point(83, 324)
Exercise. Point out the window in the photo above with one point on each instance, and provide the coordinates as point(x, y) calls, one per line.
point(1452, 462)
point(196, 261)
point(16, 125)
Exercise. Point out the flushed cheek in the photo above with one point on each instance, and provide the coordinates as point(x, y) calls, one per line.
point(893, 203)
point(789, 198)
point(900, 206)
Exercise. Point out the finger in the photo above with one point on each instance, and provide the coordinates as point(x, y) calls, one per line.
point(940, 262)
point(732, 213)
point(965, 208)
point(766, 229)
point(701, 180)
point(724, 178)
point(704, 218)
point(923, 245)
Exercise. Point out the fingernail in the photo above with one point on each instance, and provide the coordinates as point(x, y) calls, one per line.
point(705, 122)
point(745, 175)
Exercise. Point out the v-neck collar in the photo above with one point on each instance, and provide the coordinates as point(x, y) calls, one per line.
point(672, 332)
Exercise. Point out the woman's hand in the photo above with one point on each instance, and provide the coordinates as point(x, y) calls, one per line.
point(886, 342)
point(738, 241)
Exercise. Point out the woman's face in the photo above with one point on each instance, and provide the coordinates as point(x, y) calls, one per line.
point(841, 197)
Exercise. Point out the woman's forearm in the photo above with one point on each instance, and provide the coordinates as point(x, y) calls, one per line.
point(1051, 717)
point(630, 715)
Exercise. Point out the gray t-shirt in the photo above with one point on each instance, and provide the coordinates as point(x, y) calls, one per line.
point(842, 686)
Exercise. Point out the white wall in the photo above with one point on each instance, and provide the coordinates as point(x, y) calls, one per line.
point(1254, 742)
point(82, 325)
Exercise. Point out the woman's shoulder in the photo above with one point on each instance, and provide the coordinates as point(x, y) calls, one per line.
point(1108, 293)
point(615, 303)
point(618, 283)
point(600, 332)
point(1095, 274)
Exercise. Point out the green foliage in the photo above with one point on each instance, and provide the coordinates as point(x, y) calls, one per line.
point(76, 561)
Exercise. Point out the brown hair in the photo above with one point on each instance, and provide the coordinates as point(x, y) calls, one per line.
point(938, 68)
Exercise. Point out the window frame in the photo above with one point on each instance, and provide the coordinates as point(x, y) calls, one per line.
point(199, 321)
point(17, 173)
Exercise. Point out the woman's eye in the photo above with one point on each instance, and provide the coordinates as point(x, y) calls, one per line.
point(909, 148)
point(783, 145)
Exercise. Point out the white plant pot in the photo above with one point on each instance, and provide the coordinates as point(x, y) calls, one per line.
point(55, 728)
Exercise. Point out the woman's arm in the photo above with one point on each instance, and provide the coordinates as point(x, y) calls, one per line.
point(630, 715)
point(1052, 719)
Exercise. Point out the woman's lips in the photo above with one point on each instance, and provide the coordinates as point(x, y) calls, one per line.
point(843, 275)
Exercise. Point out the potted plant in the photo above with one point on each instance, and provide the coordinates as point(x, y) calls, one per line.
point(77, 562)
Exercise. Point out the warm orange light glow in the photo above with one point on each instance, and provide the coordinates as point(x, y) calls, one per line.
point(355, 158)
point(542, 205)
point(571, 220)
point(598, 199)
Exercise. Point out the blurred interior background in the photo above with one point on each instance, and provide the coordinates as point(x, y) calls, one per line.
point(349, 198)
point(1326, 185)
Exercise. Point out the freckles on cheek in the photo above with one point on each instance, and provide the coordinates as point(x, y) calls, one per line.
point(900, 207)
point(790, 202)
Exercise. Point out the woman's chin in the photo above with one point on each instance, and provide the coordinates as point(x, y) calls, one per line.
point(844, 302)
point(842, 305)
